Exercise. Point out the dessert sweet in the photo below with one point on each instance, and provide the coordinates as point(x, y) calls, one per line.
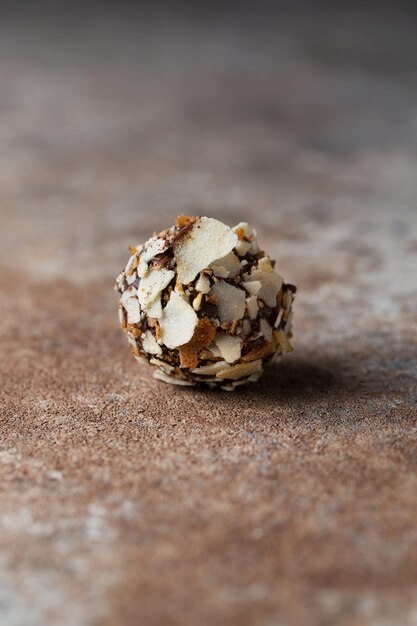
point(203, 304)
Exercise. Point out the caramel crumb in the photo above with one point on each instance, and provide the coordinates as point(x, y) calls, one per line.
point(134, 331)
point(183, 220)
point(240, 233)
point(203, 336)
point(135, 350)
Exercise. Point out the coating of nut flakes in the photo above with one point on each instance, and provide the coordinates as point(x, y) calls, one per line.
point(231, 316)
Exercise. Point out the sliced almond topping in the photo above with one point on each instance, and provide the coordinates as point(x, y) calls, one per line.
point(166, 366)
point(133, 263)
point(207, 240)
point(253, 287)
point(213, 351)
point(283, 340)
point(241, 369)
point(264, 264)
point(150, 344)
point(213, 368)
point(153, 247)
point(247, 327)
point(122, 318)
point(129, 293)
point(203, 284)
point(287, 300)
point(202, 338)
point(243, 247)
point(277, 355)
point(154, 309)
point(231, 301)
point(242, 230)
point(266, 329)
point(142, 267)
point(279, 317)
point(288, 323)
point(152, 284)
point(252, 307)
point(271, 284)
point(230, 347)
point(171, 379)
point(133, 260)
point(228, 266)
point(197, 302)
point(178, 322)
point(133, 310)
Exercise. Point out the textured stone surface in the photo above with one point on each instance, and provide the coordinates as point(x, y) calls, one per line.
point(124, 501)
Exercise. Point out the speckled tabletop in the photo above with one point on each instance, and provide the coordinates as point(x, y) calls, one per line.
point(124, 501)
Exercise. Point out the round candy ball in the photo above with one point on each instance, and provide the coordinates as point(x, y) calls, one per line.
point(203, 304)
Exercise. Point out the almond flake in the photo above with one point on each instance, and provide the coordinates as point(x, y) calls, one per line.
point(213, 368)
point(154, 309)
point(207, 240)
point(287, 300)
point(247, 327)
point(142, 267)
point(253, 288)
point(214, 350)
point(197, 302)
point(133, 310)
point(166, 366)
point(172, 380)
point(203, 284)
point(266, 329)
point(231, 301)
point(271, 284)
point(264, 264)
point(279, 316)
point(283, 340)
point(152, 284)
point(228, 266)
point(150, 344)
point(243, 247)
point(230, 347)
point(244, 227)
point(129, 293)
point(153, 247)
point(252, 307)
point(241, 369)
point(237, 383)
point(178, 322)
point(133, 259)
point(288, 323)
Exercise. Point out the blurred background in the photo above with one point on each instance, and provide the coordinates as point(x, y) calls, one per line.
point(300, 118)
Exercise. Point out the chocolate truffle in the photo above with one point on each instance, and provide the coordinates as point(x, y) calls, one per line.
point(203, 304)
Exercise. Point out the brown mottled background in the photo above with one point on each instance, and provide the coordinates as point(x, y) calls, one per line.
point(124, 502)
